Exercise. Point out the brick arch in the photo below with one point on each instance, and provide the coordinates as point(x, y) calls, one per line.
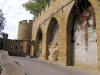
point(38, 43)
point(52, 38)
point(71, 18)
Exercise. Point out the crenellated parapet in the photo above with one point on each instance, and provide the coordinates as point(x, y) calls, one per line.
point(26, 22)
point(51, 10)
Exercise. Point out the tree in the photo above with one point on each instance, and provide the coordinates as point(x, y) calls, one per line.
point(35, 7)
point(2, 21)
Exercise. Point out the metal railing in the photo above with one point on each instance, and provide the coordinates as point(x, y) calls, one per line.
point(61, 9)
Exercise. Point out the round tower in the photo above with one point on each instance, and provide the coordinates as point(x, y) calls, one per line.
point(25, 30)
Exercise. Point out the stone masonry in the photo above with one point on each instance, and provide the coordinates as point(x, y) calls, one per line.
point(25, 30)
point(77, 39)
point(16, 47)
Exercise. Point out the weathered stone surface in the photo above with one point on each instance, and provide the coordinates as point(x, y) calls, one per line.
point(16, 47)
point(25, 30)
point(61, 48)
point(65, 56)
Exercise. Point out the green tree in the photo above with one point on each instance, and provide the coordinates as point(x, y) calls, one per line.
point(35, 7)
point(2, 21)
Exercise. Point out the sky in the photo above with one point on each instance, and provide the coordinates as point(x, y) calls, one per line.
point(13, 12)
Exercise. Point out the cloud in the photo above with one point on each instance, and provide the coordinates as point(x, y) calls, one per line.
point(13, 12)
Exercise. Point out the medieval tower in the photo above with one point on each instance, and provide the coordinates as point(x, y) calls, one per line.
point(25, 30)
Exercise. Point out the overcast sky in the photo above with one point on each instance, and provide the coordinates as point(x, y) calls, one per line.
point(14, 12)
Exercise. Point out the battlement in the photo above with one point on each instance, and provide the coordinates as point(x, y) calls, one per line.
point(51, 2)
point(26, 22)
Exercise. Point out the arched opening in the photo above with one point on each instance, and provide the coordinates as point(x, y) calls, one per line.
point(81, 35)
point(53, 40)
point(38, 43)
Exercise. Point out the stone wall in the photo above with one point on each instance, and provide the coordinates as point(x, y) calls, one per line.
point(85, 38)
point(63, 16)
point(53, 40)
point(38, 45)
point(16, 47)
